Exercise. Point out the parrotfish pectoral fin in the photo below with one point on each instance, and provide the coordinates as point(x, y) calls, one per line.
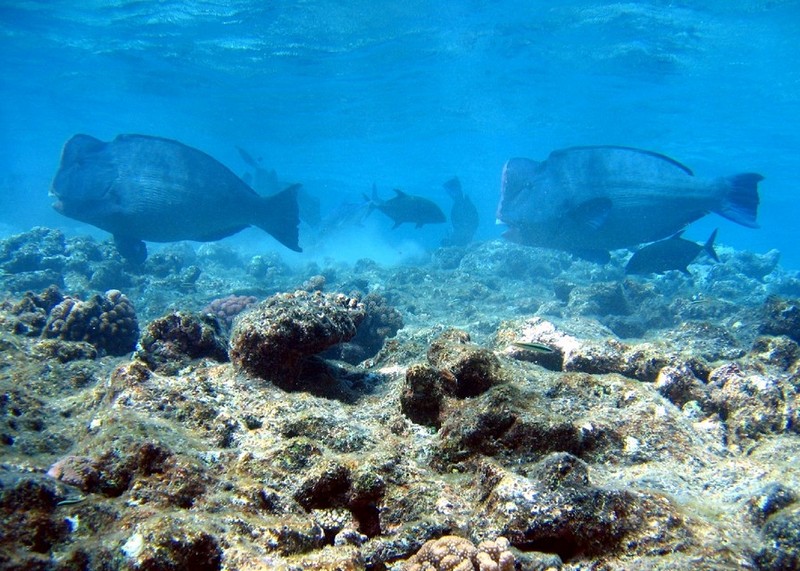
point(280, 217)
point(132, 249)
point(593, 213)
point(740, 202)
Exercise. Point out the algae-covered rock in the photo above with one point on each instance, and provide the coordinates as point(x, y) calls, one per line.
point(422, 399)
point(272, 340)
point(172, 341)
point(782, 537)
point(473, 369)
point(781, 317)
point(556, 509)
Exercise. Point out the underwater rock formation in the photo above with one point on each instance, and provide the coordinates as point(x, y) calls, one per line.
point(782, 317)
point(172, 341)
point(457, 369)
point(555, 508)
point(474, 370)
point(108, 322)
point(33, 260)
point(381, 321)
point(273, 339)
point(498, 410)
point(424, 391)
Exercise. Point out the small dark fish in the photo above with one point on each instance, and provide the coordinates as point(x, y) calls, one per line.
point(674, 253)
point(407, 208)
point(143, 188)
point(463, 215)
point(589, 200)
point(533, 346)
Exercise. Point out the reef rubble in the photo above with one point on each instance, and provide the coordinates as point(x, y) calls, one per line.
point(499, 407)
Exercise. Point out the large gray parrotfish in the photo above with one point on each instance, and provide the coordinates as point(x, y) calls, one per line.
point(142, 188)
point(589, 200)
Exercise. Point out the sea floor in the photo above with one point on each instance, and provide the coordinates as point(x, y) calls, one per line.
point(592, 419)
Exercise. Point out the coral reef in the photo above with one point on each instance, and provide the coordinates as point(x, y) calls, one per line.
point(108, 322)
point(273, 339)
point(227, 308)
point(170, 342)
point(782, 317)
point(591, 420)
point(451, 553)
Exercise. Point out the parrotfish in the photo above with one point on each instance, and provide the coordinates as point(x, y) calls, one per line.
point(589, 200)
point(142, 188)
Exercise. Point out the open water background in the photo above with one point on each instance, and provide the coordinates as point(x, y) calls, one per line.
point(338, 95)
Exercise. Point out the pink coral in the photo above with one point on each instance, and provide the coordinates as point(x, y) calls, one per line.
point(228, 307)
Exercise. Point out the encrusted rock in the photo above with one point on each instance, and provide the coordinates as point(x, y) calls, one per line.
point(751, 403)
point(170, 342)
point(170, 542)
point(380, 322)
point(557, 509)
point(680, 386)
point(422, 399)
point(781, 317)
point(771, 499)
point(474, 369)
point(782, 542)
point(108, 322)
point(272, 340)
point(28, 518)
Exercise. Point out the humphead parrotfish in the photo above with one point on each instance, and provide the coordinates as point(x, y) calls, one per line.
point(142, 188)
point(589, 200)
point(407, 208)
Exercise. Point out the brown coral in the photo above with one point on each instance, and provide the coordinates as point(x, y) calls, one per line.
point(108, 322)
point(452, 553)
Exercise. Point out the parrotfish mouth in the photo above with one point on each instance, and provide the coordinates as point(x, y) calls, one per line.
point(58, 206)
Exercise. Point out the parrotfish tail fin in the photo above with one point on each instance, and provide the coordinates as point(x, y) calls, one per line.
point(740, 202)
point(280, 217)
point(709, 246)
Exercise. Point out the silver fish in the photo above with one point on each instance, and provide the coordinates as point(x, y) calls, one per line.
point(147, 188)
point(589, 200)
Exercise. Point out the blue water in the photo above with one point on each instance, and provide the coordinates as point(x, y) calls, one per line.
point(338, 95)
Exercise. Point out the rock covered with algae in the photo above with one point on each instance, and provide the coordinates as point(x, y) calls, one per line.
point(272, 340)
